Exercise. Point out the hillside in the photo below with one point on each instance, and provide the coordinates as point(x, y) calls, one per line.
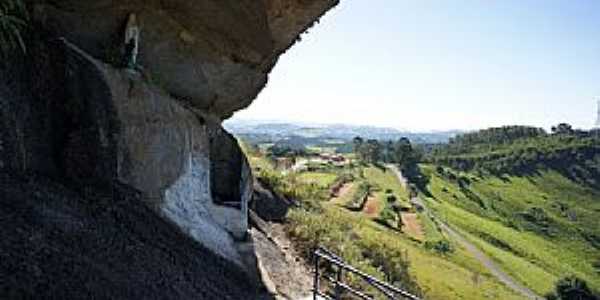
point(367, 236)
point(528, 198)
point(524, 151)
point(538, 228)
point(486, 232)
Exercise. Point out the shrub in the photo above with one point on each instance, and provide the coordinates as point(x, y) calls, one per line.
point(387, 216)
point(391, 198)
point(359, 197)
point(440, 170)
point(572, 288)
point(442, 246)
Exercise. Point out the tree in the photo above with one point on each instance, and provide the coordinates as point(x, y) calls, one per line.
point(405, 155)
point(563, 129)
point(402, 150)
point(373, 151)
point(388, 152)
point(369, 151)
point(358, 144)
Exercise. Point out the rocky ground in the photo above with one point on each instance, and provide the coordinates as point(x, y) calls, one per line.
point(285, 273)
point(63, 244)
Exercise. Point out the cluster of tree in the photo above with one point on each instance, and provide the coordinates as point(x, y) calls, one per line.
point(368, 151)
point(498, 135)
point(493, 138)
point(400, 152)
point(520, 150)
point(285, 150)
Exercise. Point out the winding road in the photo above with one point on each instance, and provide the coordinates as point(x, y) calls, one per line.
point(494, 269)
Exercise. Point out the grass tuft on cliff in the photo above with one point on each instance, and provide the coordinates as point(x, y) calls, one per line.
point(13, 23)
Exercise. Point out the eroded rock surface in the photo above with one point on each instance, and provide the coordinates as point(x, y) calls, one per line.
point(214, 53)
point(133, 132)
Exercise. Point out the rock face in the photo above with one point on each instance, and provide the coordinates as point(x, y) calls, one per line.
point(128, 130)
point(70, 112)
point(268, 204)
point(216, 54)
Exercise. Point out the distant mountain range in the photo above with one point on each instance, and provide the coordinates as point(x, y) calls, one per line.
point(342, 132)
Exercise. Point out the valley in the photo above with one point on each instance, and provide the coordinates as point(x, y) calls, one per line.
point(445, 233)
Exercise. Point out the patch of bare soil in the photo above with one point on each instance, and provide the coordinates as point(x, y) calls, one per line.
point(371, 206)
point(412, 225)
point(342, 192)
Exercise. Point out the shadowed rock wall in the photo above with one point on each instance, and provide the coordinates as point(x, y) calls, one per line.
point(70, 113)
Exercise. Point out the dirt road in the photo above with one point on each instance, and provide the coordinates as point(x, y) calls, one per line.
point(494, 269)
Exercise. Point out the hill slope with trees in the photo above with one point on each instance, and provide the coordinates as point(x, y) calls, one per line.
point(520, 150)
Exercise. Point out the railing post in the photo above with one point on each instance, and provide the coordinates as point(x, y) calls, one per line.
point(338, 280)
point(316, 279)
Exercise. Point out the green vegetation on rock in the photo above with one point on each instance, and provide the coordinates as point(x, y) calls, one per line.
point(13, 23)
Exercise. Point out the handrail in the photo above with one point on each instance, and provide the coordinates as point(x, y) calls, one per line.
point(387, 289)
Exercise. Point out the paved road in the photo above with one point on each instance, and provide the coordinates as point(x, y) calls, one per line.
point(471, 248)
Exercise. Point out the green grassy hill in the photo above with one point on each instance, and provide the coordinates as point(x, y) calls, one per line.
point(539, 227)
point(376, 249)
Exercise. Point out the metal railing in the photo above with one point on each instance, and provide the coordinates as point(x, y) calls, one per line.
point(341, 288)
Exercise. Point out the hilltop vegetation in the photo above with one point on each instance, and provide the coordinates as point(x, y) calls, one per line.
point(524, 151)
point(528, 198)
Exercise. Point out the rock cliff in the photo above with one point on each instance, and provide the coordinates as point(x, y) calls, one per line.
point(70, 113)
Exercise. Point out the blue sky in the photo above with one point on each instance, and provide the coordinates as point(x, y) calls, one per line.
point(435, 65)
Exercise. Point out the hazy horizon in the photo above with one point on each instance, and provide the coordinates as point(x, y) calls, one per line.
point(413, 130)
point(436, 66)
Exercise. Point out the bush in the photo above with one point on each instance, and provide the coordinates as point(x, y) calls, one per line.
point(572, 288)
point(391, 198)
point(360, 196)
point(441, 247)
point(386, 215)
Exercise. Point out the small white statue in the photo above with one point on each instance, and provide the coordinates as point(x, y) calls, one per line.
point(132, 37)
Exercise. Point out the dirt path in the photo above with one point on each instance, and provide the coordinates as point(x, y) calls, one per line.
point(494, 269)
point(371, 206)
point(412, 226)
